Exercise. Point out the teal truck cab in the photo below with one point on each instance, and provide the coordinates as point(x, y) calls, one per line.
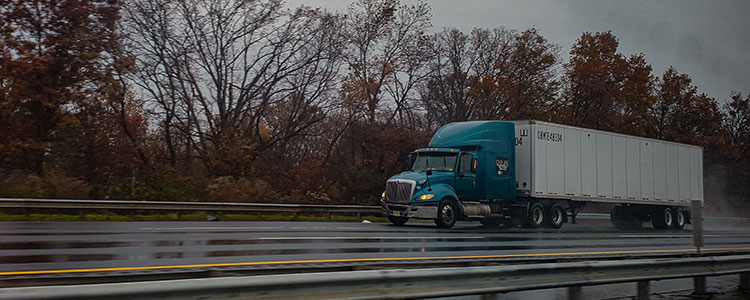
point(538, 174)
point(466, 172)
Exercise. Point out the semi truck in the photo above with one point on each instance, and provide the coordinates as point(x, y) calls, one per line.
point(539, 174)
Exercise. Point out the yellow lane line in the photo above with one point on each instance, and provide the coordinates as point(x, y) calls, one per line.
point(38, 272)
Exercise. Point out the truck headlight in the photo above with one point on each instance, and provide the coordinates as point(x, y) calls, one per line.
point(382, 196)
point(426, 197)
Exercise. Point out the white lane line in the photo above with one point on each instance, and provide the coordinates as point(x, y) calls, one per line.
point(369, 238)
point(664, 235)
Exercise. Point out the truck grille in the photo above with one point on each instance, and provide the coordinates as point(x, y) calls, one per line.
point(399, 191)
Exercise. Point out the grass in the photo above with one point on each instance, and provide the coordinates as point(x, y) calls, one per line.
point(201, 216)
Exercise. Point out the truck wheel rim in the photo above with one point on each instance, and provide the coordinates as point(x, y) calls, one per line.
point(537, 215)
point(680, 219)
point(447, 213)
point(557, 218)
point(668, 217)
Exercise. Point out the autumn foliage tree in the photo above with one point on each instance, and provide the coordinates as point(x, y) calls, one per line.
point(737, 125)
point(57, 64)
point(228, 100)
point(53, 57)
point(491, 74)
point(682, 114)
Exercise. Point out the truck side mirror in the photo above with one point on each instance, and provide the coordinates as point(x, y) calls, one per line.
point(408, 163)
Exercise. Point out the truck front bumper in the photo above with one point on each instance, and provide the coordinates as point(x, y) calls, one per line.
point(425, 211)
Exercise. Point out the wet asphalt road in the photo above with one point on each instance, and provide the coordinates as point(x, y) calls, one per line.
point(61, 249)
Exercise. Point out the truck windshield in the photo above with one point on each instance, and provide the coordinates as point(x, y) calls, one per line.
point(435, 161)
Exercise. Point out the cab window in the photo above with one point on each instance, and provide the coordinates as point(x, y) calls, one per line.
point(465, 164)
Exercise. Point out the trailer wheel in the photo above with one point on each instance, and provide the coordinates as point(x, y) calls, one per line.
point(536, 217)
point(556, 216)
point(663, 218)
point(680, 219)
point(446, 217)
point(398, 221)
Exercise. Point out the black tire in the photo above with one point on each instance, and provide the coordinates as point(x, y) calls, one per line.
point(680, 219)
point(398, 221)
point(536, 216)
point(490, 222)
point(447, 214)
point(663, 218)
point(555, 216)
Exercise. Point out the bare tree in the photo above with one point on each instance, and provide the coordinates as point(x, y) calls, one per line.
point(234, 77)
point(386, 53)
point(462, 63)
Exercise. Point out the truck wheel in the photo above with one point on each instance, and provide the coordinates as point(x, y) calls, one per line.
point(556, 216)
point(537, 216)
point(446, 214)
point(663, 218)
point(398, 221)
point(680, 219)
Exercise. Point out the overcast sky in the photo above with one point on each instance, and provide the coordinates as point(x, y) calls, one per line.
point(709, 40)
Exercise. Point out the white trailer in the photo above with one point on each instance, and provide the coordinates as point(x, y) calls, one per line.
point(649, 179)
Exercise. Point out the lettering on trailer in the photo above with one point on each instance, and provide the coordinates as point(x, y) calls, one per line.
point(522, 133)
point(549, 136)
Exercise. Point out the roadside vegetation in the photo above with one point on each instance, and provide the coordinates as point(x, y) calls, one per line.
point(254, 101)
point(201, 216)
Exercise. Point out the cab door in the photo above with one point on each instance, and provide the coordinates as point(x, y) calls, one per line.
point(466, 177)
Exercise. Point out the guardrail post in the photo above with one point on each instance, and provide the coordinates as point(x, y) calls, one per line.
point(82, 214)
point(575, 293)
point(488, 297)
point(697, 224)
point(643, 290)
point(745, 281)
point(699, 285)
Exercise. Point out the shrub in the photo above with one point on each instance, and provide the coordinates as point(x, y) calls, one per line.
point(20, 185)
point(61, 186)
point(229, 189)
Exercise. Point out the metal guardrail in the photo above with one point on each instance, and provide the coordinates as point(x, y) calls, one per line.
point(226, 207)
point(410, 283)
point(184, 206)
